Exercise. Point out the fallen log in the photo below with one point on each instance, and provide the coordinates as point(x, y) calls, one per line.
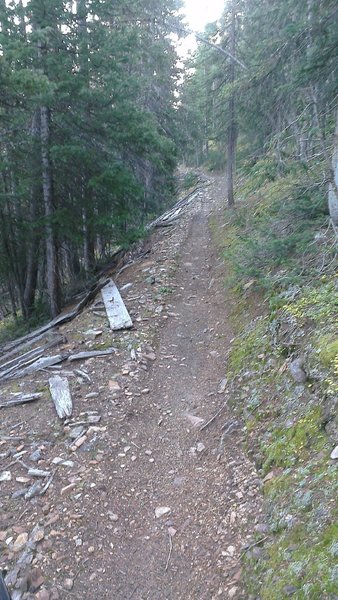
point(60, 393)
point(172, 215)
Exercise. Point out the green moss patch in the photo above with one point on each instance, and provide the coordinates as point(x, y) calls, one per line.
point(288, 446)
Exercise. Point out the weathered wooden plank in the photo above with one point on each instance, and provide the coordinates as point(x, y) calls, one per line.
point(14, 361)
point(91, 354)
point(60, 392)
point(21, 399)
point(59, 320)
point(20, 364)
point(116, 311)
point(41, 363)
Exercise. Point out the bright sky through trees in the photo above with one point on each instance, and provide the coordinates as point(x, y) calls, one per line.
point(197, 14)
point(201, 12)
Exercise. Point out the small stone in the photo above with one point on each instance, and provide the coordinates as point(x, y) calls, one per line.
point(231, 550)
point(12, 576)
point(113, 516)
point(93, 419)
point(20, 542)
point(76, 432)
point(64, 463)
point(37, 534)
point(19, 493)
point(46, 508)
point(91, 550)
point(114, 386)
point(145, 391)
point(68, 584)
point(93, 332)
point(334, 453)
point(290, 590)
point(232, 592)
point(161, 511)
point(79, 442)
point(222, 386)
point(172, 531)
point(36, 455)
point(35, 580)
point(22, 479)
point(148, 452)
point(297, 372)
point(271, 475)
point(5, 476)
point(200, 447)
point(43, 595)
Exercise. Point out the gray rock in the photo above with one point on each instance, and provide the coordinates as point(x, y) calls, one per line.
point(36, 455)
point(20, 542)
point(334, 453)
point(68, 584)
point(290, 590)
point(296, 370)
point(12, 576)
point(26, 558)
point(19, 493)
point(76, 432)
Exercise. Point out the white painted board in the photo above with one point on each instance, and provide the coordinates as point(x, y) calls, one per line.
point(116, 311)
point(60, 392)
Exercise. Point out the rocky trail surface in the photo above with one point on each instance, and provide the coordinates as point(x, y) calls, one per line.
point(146, 498)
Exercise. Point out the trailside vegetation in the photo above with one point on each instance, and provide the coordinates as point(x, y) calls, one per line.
point(280, 250)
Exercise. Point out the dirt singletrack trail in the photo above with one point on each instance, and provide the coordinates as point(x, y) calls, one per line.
point(165, 510)
point(212, 502)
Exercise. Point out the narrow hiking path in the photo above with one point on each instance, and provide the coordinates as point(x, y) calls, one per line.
point(212, 502)
point(156, 508)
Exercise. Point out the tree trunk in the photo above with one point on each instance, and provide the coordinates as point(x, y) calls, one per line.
point(32, 262)
point(333, 190)
point(52, 271)
point(232, 128)
point(87, 200)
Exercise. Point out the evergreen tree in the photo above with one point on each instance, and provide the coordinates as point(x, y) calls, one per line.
point(87, 106)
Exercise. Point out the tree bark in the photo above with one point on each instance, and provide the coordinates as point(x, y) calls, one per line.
point(87, 200)
point(333, 190)
point(52, 270)
point(232, 128)
point(32, 263)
